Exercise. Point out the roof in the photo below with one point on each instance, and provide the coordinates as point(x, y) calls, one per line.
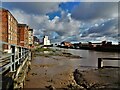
point(30, 29)
point(8, 12)
point(22, 25)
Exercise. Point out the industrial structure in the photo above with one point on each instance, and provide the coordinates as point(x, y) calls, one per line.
point(46, 41)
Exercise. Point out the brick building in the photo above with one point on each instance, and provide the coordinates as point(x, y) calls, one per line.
point(12, 32)
point(0, 25)
point(8, 28)
point(30, 37)
point(67, 44)
point(23, 35)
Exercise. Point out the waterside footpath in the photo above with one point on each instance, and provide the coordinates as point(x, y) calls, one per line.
point(56, 70)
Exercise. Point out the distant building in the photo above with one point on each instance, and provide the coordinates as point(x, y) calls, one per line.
point(23, 35)
point(46, 41)
point(67, 44)
point(8, 29)
point(96, 44)
point(35, 40)
point(104, 43)
point(30, 37)
point(109, 43)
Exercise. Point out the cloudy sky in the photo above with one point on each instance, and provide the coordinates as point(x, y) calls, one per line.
point(69, 21)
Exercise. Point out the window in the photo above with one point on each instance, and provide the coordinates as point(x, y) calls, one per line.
point(9, 37)
point(9, 17)
point(9, 27)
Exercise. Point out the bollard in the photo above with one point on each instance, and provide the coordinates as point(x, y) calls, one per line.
point(99, 62)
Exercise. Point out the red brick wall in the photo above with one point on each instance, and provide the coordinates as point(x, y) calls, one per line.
point(4, 25)
point(12, 29)
point(8, 28)
point(0, 25)
point(23, 35)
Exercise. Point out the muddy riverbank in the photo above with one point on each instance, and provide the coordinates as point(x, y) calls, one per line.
point(94, 79)
point(52, 70)
point(60, 70)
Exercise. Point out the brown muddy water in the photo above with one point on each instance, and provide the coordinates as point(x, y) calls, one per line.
point(57, 71)
point(90, 58)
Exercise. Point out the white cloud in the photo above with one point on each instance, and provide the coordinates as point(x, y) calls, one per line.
point(72, 28)
point(65, 27)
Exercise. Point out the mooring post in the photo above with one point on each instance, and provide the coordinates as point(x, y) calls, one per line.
point(99, 62)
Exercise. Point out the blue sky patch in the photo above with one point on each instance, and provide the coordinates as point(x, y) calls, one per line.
point(68, 6)
point(53, 14)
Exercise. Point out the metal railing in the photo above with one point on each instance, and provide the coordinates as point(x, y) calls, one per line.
point(100, 61)
point(12, 60)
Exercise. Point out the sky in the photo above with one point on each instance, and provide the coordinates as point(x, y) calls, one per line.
point(69, 21)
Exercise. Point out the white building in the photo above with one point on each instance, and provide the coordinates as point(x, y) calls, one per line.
point(46, 40)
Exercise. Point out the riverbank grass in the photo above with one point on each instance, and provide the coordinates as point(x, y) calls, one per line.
point(47, 52)
point(44, 49)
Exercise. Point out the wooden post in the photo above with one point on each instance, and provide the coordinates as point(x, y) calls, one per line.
point(99, 62)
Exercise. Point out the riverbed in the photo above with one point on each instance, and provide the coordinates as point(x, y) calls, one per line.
point(51, 71)
point(56, 71)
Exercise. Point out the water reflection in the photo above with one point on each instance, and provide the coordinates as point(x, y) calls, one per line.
point(90, 58)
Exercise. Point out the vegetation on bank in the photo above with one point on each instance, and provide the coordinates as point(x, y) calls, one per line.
point(47, 52)
point(44, 49)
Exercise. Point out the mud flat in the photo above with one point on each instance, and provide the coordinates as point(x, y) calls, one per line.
point(95, 79)
point(51, 71)
point(56, 70)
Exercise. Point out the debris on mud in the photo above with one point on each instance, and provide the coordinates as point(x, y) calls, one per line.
point(98, 78)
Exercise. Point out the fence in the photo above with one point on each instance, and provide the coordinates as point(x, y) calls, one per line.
point(15, 61)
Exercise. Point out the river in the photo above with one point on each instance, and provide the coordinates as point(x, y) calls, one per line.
point(90, 58)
